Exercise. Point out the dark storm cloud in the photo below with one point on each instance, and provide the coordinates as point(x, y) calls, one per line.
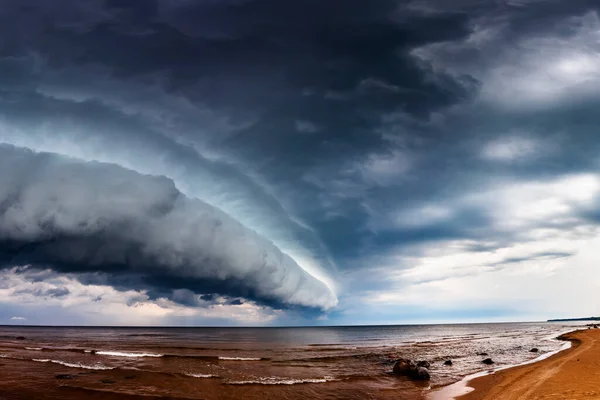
point(88, 217)
point(284, 61)
point(325, 126)
point(269, 63)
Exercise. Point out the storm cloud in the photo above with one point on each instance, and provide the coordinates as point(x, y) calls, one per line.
point(285, 158)
point(79, 217)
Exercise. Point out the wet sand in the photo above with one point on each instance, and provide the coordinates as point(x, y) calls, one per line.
point(572, 374)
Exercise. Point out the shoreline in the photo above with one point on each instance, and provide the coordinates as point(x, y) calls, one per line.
point(546, 373)
point(462, 387)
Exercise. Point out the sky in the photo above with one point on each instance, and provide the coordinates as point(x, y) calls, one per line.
point(306, 162)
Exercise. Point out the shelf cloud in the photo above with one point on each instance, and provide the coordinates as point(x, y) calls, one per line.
point(90, 217)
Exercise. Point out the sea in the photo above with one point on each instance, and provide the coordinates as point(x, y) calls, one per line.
point(345, 362)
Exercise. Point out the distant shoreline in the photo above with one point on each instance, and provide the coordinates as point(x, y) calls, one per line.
point(575, 319)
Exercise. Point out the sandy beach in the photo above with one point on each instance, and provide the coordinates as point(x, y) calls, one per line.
point(572, 374)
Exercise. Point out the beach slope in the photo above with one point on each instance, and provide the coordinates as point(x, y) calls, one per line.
point(572, 374)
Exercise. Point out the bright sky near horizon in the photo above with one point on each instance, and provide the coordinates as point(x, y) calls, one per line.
point(268, 162)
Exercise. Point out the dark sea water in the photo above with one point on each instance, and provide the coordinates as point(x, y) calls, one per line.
point(255, 363)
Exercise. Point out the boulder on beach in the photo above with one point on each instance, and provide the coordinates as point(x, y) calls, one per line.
point(488, 361)
point(534, 350)
point(448, 362)
point(423, 363)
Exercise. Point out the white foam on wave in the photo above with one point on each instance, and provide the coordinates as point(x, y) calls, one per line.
point(275, 380)
point(194, 375)
point(127, 354)
point(74, 365)
point(34, 348)
point(240, 358)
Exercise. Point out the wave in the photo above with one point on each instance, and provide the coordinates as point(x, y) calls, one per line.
point(59, 349)
point(275, 380)
point(146, 335)
point(74, 365)
point(132, 354)
point(127, 354)
point(192, 356)
point(195, 348)
point(194, 375)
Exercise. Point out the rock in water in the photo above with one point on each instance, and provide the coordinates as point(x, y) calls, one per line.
point(421, 374)
point(423, 363)
point(404, 367)
point(488, 361)
point(534, 350)
point(64, 376)
point(408, 368)
point(448, 362)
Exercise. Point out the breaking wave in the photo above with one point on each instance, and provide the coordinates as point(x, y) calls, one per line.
point(275, 380)
point(194, 375)
point(74, 365)
point(127, 354)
